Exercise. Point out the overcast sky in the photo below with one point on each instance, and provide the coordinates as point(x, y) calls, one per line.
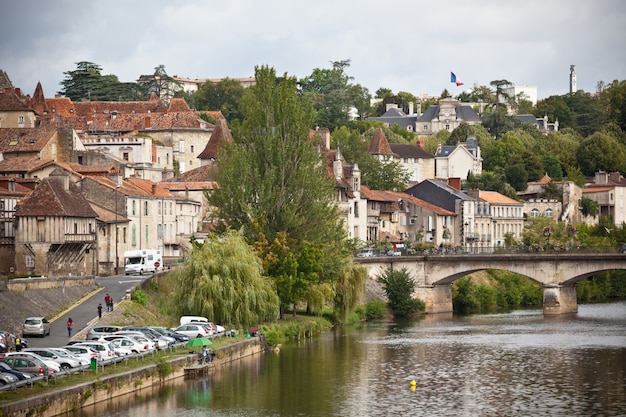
point(403, 45)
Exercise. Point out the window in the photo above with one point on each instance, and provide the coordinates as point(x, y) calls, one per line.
point(125, 156)
point(425, 129)
point(159, 208)
point(145, 208)
point(191, 147)
point(356, 209)
point(548, 212)
point(181, 146)
point(374, 205)
point(447, 127)
point(133, 207)
point(20, 119)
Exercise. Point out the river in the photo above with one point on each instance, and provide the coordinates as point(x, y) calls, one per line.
point(512, 364)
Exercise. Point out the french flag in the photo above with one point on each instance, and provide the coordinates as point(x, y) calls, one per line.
point(453, 79)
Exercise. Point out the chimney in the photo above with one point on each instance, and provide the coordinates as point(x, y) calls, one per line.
point(18, 92)
point(411, 109)
point(7, 90)
point(455, 183)
point(147, 122)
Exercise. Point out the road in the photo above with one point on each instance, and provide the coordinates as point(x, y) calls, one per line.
point(87, 311)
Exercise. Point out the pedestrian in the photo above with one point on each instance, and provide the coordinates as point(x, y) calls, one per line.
point(70, 325)
point(111, 301)
point(100, 310)
point(107, 301)
point(18, 344)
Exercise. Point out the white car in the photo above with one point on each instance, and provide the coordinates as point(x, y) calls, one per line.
point(193, 330)
point(49, 363)
point(65, 362)
point(83, 352)
point(154, 345)
point(104, 349)
point(67, 354)
point(130, 342)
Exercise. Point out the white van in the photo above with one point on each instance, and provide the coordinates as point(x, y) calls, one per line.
point(193, 319)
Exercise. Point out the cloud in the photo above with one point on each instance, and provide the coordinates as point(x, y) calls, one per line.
point(405, 45)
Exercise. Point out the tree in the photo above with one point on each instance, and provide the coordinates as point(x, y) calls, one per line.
point(88, 83)
point(332, 95)
point(399, 287)
point(592, 154)
point(275, 188)
point(382, 175)
point(223, 96)
point(222, 279)
point(160, 83)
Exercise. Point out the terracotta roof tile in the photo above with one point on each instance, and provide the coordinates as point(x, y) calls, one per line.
point(11, 102)
point(50, 198)
point(220, 135)
point(379, 144)
point(495, 197)
point(200, 174)
point(25, 139)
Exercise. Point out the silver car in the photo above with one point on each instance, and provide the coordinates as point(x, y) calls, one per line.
point(38, 326)
point(66, 362)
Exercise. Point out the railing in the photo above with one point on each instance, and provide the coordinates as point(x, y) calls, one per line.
point(100, 364)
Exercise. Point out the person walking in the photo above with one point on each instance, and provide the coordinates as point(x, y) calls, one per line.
point(18, 343)
point(100, 310)
point(107, 301)
point(70, 325)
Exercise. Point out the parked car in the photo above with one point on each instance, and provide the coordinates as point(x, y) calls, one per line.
point(38, 326)
point(32, 366)
point(83, 352)
point(162, 341)
point(181, 338)
point(65, 362)
point(97, 331)
point(146, 344)
point(20, 375)
point(67, 354)
point(7, 378)
point(193, 330)
point(130, 343)
point(55, 367)
point(104, 349)
point(366, 253)
point(153, 345)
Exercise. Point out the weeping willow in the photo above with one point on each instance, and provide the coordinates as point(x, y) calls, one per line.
point(349, 291)
point(222, 280)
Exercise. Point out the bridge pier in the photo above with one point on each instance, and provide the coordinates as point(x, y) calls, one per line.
point(438, 298)
point(559, 299)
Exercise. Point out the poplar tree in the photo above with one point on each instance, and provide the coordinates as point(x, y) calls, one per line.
point(275, 188)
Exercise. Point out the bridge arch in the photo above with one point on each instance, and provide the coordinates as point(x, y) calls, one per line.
point(558, 273)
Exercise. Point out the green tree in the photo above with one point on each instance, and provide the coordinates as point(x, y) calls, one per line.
point(160, 83)
point(517, 176)
point(550, 191)
point(593, 154)
point(588, 207)
point(552, 167)
point(275, 188)
point(222, 279)
point(88, 83)
point(613, 99)
point(399, 287)
point(332, 94)
point(223, 96)
point(382, 175)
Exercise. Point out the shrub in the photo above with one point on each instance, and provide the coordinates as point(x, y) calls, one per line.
point(399, 286)
point(375, 309)
point(140, 297)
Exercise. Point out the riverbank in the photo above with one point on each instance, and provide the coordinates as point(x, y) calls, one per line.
point(107, 387)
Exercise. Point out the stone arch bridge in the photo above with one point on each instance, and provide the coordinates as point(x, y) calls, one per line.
point(558, 273)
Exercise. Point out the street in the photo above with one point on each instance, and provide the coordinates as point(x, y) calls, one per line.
point(87, 311)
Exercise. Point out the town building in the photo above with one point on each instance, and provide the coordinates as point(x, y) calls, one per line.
point(447, 115)
point(458, 160)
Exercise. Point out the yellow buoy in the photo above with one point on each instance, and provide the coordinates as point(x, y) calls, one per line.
point(413, 383)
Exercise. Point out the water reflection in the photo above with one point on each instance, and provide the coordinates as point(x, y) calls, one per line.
point(519, 363)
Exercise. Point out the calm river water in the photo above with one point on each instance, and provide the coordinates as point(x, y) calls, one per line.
point(514, 364)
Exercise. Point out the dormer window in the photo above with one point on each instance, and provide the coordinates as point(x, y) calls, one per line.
point(20, 119)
